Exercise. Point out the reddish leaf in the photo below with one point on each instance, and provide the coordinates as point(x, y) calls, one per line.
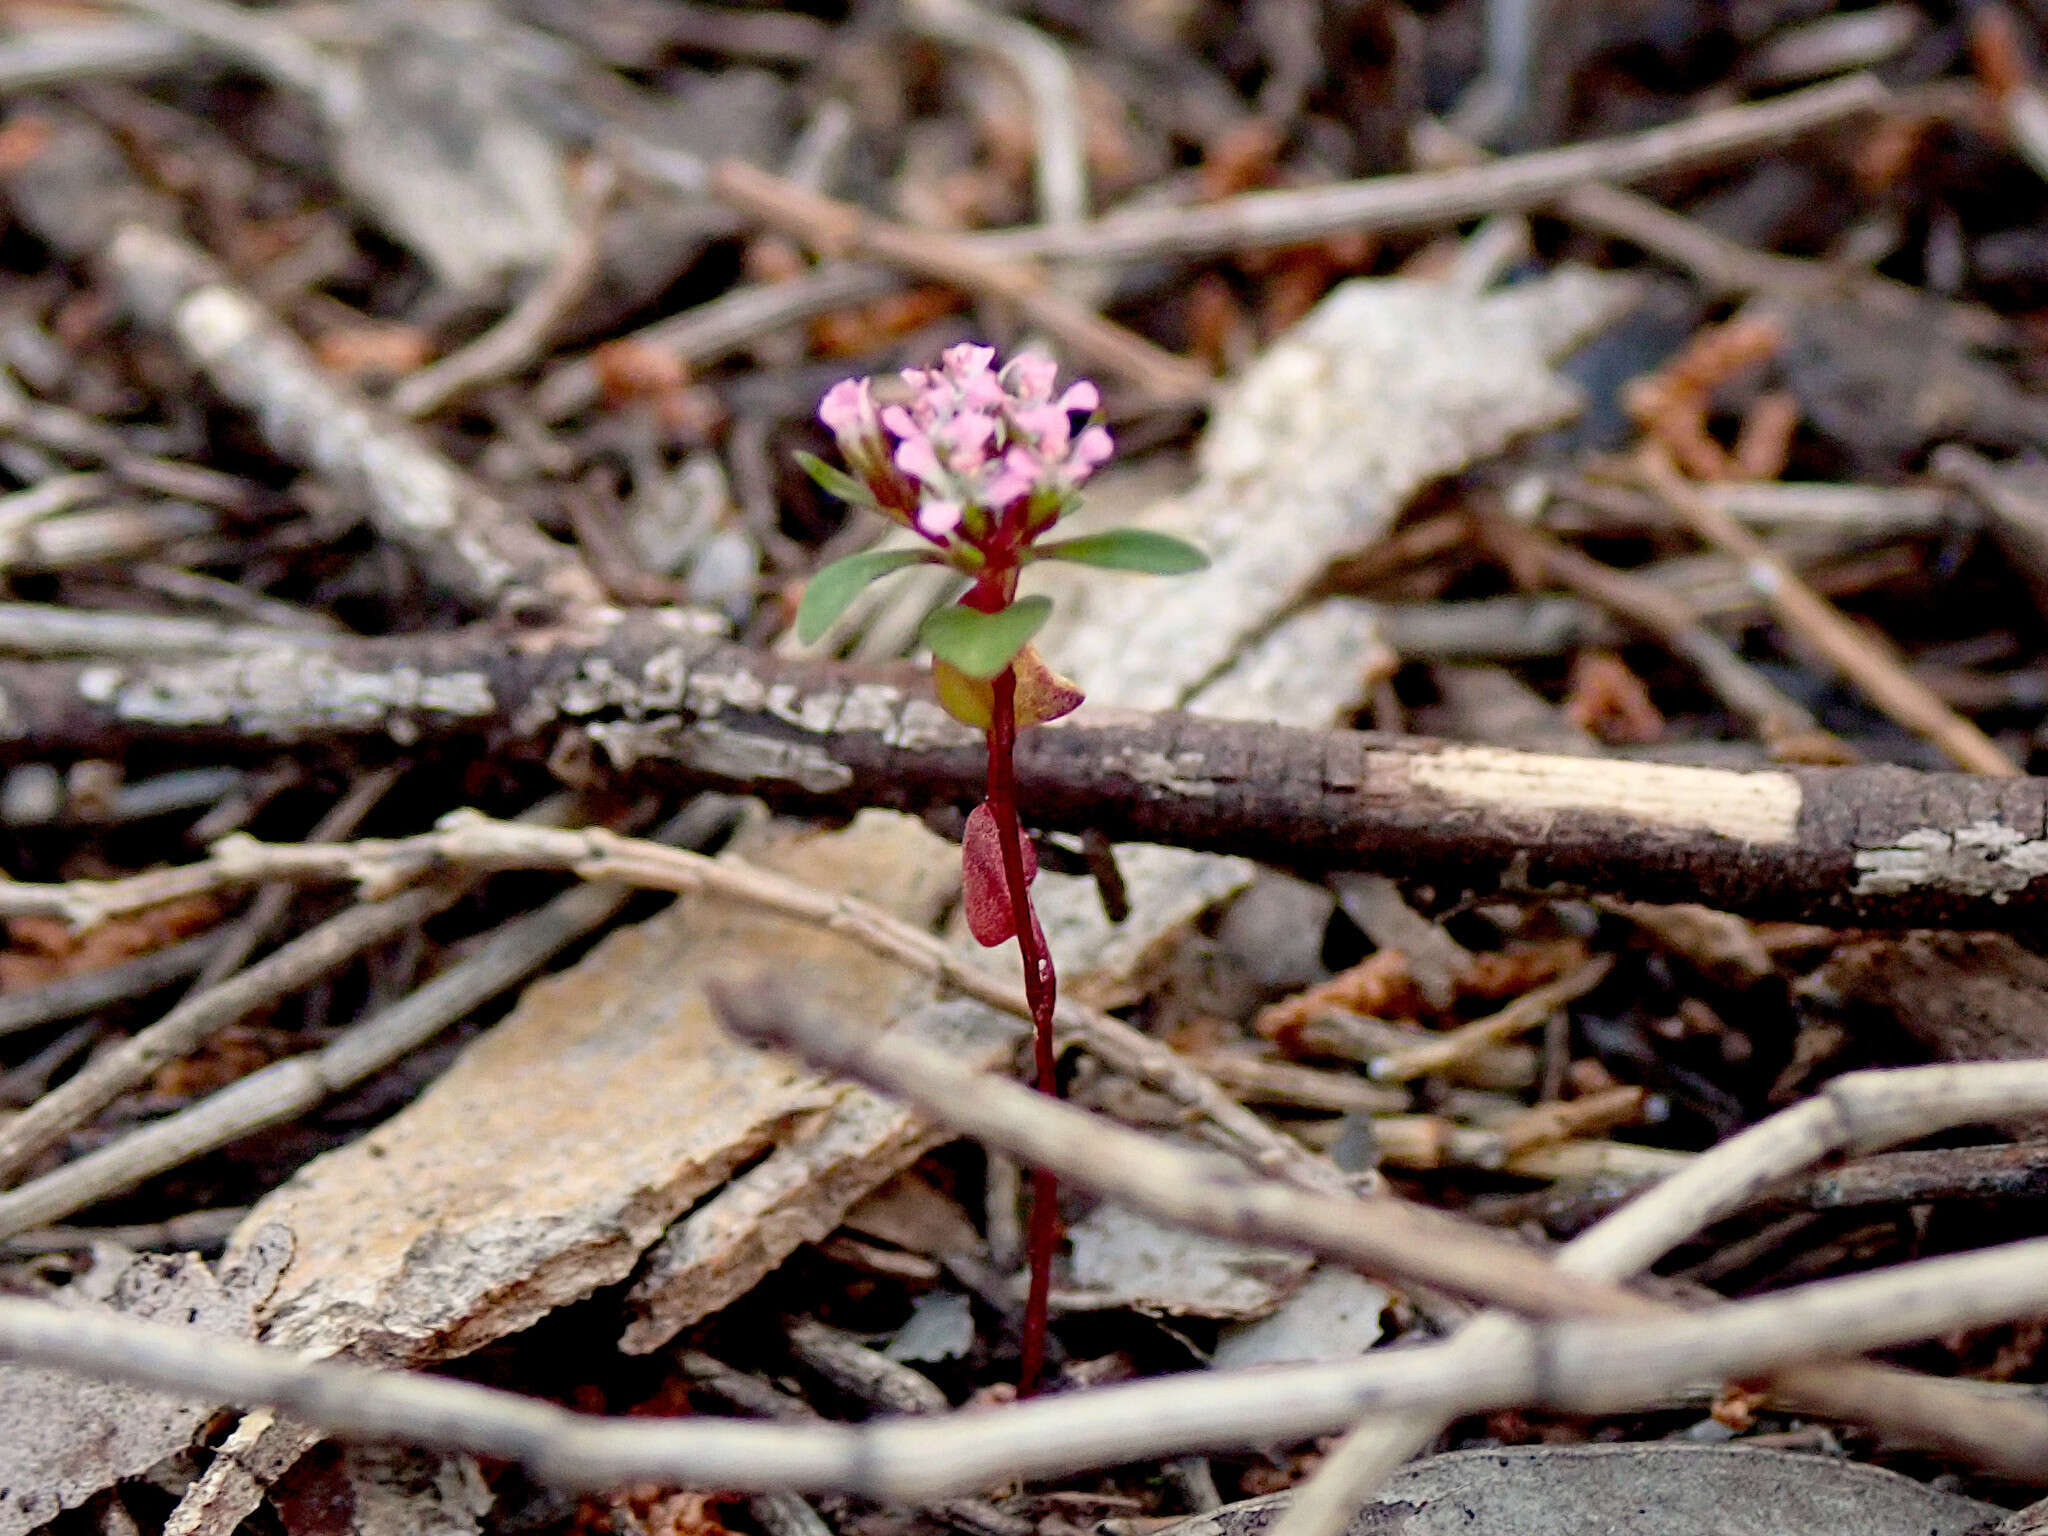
point(985, 893)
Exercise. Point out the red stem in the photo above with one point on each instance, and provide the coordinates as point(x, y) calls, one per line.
point(1040, 990)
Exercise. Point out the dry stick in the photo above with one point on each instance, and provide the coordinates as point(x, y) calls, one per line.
point(1566, 1119)
point(1258, 220)
point(1583, 1367)
point(1862, 659)
point(1856, 1112)
point(73, 995)
point(523, 334)
point(463, 537)
point(38, 629)
point(1574, 1366)
point(469, 842)
point(181, 1233)
point(1060, 158)
point(1778, 719)
point(287, 1089)
point(273, 901)
point(1997, 1172)
point(1460, 1045)
point(761, 1399)
point(840, 228)
point(313, 955)
point(708, 331)
point(79, 195)
point(648, 699)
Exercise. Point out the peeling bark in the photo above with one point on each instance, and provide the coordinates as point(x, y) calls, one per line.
point(649, 697)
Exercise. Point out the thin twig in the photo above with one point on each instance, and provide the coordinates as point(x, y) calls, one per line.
point(1261, 220)
point(468, 842)
point(288, 1088)
point(1481, 1035)
point(93, 990)
point(1860, 658)
point(307, 958)
point(517, 339)
point(1382, 1236)
point(1575, 1366)
point(708, 331)
point(838, 228)
point(1781, 721)
point(1056, 118)
point(1856, 1112)
point(273, 901)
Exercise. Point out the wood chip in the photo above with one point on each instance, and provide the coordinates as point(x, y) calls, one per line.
point(561, 1144)
point(63, 1437)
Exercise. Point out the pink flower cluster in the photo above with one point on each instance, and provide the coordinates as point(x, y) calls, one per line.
point(985, 454)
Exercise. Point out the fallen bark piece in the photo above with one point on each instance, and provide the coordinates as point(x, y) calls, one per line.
point(1124, 1259)
point(1334, 1315)
point(562, 1143)
point(1631, 1490)
point(63, 1438)
point(800, 1192)
point(1964, 996)
point(376, 1490)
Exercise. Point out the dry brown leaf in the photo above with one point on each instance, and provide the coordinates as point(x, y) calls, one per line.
point(1763, 446)
point(867, 328)
point(47, 949)
point(373, 351)
point(1671, 404)
point(1609, 700)
point(1498, 974)
point(629, 370)
point(1379, 985)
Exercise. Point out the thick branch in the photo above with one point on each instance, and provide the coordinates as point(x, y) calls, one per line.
point(650, 696)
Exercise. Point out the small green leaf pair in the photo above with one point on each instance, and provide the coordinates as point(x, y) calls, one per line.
point(970, 638)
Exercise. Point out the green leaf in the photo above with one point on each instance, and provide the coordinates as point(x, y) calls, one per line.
point(835, 482)
point(828, 592)
point(982, 644)
point(1129, 549)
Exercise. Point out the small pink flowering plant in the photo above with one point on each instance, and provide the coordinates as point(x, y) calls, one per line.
point(981, 463)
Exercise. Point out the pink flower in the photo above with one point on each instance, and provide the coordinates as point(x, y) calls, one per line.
point(973, 450)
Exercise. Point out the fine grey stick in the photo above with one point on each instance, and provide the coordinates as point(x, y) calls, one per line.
point(110, 984)
point(288, 1088)
point(273, 901)
point(79, 195)
point(1578, 1366)
point(313, 955)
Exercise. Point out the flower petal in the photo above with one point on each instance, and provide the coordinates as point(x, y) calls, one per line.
point(847, 406)
point(937, 517)
point(916, 456)
point(1031, 375)
point(1081, 395)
